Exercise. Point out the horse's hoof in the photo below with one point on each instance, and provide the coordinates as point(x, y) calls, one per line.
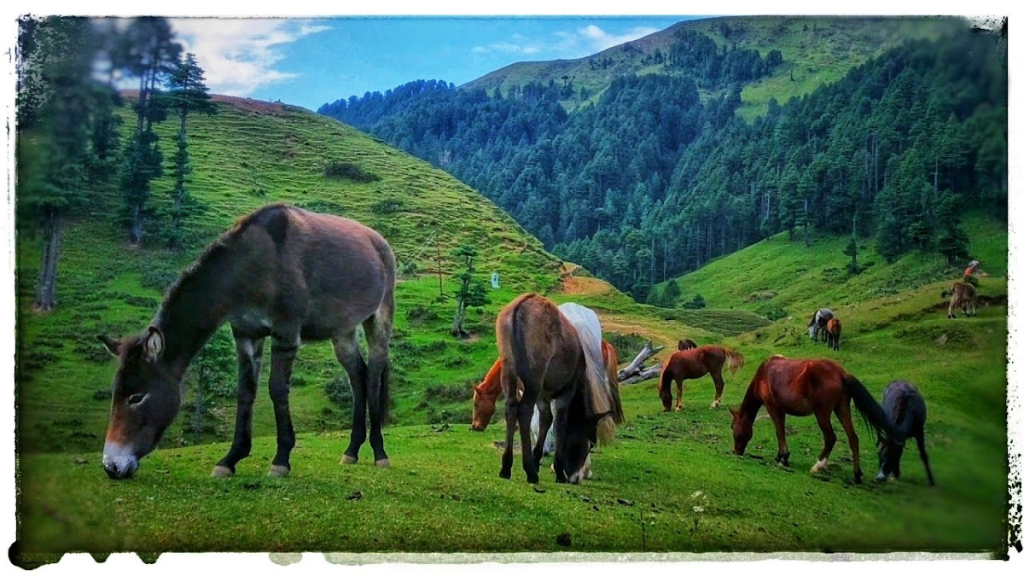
point(679, 408)
point(346, 459)
point(506, 475)
point(222, 472)
point(382, 463)
point(532, 479)
point(278, 471)
point(715, 404)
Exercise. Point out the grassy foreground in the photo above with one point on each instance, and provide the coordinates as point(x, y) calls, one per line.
point(442, 493)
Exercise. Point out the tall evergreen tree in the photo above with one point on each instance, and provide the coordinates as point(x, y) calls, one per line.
point(187, 94)
point(146, 51)
point(63, 131)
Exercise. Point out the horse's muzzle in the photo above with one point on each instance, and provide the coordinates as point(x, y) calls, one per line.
point(120, 471)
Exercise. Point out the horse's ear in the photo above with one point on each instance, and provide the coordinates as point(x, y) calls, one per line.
point(113, 346)
point(154, 343)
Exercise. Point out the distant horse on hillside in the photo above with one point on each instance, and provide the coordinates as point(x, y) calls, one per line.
point(687, 344)
point(963, 296)
point(904, 406)
point(819, 322)
point(282, 272)
point(544, 355)
point(802, 388)
point(833, 330)
point(694, 363)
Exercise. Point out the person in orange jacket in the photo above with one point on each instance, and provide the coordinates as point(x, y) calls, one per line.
point(972, 273)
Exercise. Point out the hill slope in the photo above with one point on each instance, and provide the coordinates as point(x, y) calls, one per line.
point(815, 50)
point(249, 154)
point(440, 494)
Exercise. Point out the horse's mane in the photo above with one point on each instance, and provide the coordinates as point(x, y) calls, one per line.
point(899, 409)
point(214, 250)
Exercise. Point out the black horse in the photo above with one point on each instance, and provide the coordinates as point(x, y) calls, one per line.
point(904, 406)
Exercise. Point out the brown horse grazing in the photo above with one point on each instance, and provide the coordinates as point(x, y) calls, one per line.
point(282, 272)
point(687, 344)
point(541, 354)
point(694, 363)
point(802, 388)
point(964, 296)
point(833, 330)
point(485, 394)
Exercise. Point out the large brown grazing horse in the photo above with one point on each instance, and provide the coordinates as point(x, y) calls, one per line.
point(833, 330)
point(694, 363)
point(542, 356)
point(962, 295)
point(802, 388)
point(282, 272)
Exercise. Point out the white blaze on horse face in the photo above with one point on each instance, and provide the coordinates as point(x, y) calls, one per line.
point(119, 460)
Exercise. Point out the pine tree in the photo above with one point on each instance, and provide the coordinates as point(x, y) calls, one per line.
point(188, 94)
point(472, 291)
point(61, 132)
point(147, 51)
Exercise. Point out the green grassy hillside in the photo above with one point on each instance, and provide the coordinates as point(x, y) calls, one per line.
point(249, 154)
point(815, 51)
point(442, 493)
point(779, 276)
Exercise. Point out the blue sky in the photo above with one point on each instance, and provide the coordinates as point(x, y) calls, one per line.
point(308, 62)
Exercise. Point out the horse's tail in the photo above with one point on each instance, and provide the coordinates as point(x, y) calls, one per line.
point(734, 360)
point(611, 371)
point(868, 408)
point(665, 379)
point(519, 362)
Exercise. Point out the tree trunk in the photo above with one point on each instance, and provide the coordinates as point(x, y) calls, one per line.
point(636, 365)
point(46, 294)
point(135, 233)
point(645, 374)
point(460, 315)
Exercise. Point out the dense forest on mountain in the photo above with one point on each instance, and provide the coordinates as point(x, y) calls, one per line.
point(658, 175)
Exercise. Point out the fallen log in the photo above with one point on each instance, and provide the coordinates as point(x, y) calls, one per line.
point(634, 367)
point(645, 374)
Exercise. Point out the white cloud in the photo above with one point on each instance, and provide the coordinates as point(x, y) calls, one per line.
point(600, 40)
point(240, 55)
point(573, 44)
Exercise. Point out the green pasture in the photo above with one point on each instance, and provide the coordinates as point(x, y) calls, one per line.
point(442, 493)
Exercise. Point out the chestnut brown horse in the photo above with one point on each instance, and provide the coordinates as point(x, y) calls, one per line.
point(801, 388)
point(962, 295)
point(542, 355)
point(281, 272)
point(695, 363)
point(833, 330)
point(485, 394)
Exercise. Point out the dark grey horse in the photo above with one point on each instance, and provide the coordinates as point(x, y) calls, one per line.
point(281, 272)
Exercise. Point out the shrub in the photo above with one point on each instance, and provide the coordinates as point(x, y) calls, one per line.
point(339, 392)
point(445, 394)
point(695, 303)
point(419, 314)
point(625, 345)
point(349, 171)
point(388, 206)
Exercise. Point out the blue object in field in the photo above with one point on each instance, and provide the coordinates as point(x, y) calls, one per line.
point(494, 280)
